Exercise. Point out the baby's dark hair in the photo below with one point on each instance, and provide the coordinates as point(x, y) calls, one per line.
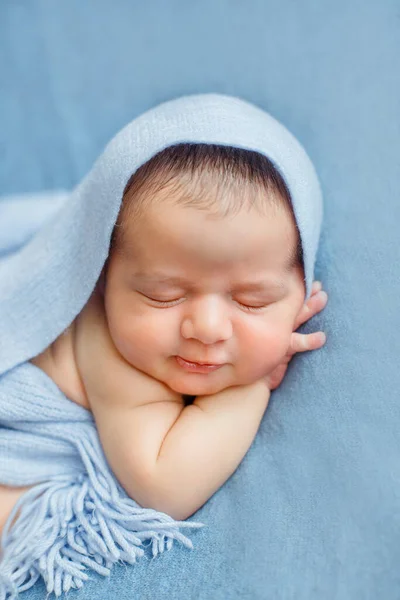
point(221, 180)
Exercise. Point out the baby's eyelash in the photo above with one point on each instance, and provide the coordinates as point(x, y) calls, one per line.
point(163, 302)
point(173, 302)
point(252, 308)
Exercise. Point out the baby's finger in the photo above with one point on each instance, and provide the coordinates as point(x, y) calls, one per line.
point(314, 305)
point(316, 287)
point(302, 342)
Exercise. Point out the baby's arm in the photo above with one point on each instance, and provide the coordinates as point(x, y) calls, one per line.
point(172, 457)
point(166, 455)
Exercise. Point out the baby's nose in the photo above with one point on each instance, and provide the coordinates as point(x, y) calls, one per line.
point(207, 320)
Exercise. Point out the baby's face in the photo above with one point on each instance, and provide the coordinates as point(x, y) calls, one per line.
point(204, 316)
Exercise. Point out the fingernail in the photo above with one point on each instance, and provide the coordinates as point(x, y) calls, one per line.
point(322, 337)
point(323, 295)
point(318, 285)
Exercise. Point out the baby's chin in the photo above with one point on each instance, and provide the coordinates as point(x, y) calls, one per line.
point(198, 389)
point(198, 384)
point(205, 384)
point(195, 384)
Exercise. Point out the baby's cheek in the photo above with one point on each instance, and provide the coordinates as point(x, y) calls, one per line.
point(265, 349)
point(128, 334)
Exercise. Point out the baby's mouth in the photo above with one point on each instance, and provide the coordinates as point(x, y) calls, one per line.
point(196, 367)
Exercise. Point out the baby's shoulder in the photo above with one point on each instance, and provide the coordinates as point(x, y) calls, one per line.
point(58, 362)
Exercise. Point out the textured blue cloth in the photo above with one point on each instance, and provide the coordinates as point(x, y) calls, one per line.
point(58, 267)
point(77, 516)
point(313, 510)
point(21, 217)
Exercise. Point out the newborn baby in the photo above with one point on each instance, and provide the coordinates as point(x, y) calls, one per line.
point(191, 324)
point(143, 329)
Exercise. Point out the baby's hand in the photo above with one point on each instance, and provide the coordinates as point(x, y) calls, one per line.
point(301, 342)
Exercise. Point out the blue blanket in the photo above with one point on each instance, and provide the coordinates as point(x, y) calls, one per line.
point(312, 511)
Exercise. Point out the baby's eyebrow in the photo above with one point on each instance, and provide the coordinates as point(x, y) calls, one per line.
point(176, 280)
point(261, 285)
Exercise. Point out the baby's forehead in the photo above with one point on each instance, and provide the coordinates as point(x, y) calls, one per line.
point(170, 230)
point(156, 203)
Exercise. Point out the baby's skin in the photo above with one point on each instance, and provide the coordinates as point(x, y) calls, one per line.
point(166, 455)
point(118, 357)
point(145, 386)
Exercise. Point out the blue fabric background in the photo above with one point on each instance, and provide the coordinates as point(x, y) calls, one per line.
point(313, 511)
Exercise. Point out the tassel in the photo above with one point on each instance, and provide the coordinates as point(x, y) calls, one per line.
point(65, 528)
point(73, 524)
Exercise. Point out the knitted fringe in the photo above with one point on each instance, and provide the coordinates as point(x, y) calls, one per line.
point(67, 526)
